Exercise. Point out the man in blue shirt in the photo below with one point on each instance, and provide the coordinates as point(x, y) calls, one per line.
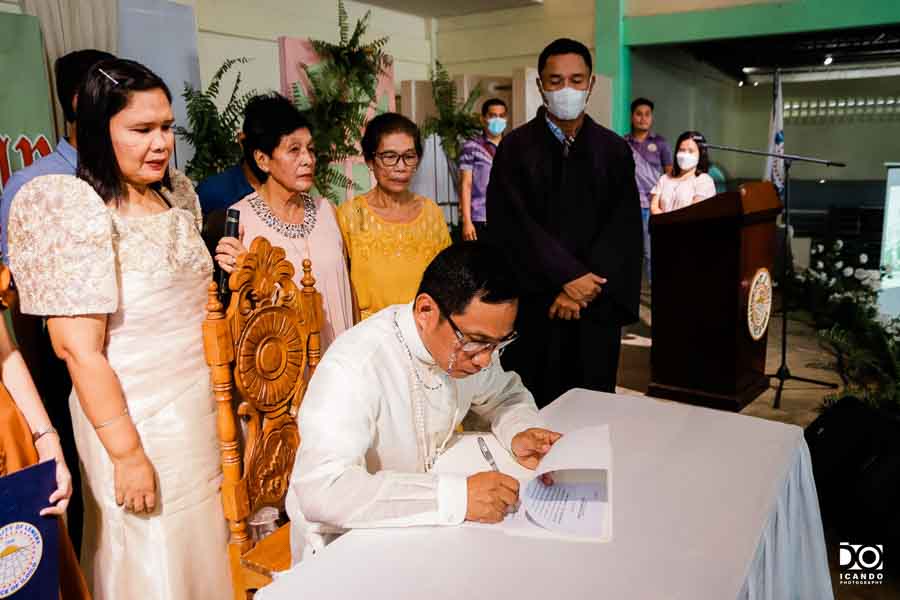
point(220, 191)
point(652, 158)
point(52, 376)
point(69, 71)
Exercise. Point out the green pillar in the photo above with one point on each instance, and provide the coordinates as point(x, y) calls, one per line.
point(614, 59)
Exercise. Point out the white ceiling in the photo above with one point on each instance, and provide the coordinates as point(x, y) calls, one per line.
point(450, 8)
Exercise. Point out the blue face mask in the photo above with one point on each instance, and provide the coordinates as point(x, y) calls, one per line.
point(496, 125)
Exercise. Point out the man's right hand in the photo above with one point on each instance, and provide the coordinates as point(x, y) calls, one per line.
point(584, 289)
point(491, 494)
point(565, 308)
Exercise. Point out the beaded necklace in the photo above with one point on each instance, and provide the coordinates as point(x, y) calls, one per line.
point(429, 457)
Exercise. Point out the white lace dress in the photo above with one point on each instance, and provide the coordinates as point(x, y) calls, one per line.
point(72, 255)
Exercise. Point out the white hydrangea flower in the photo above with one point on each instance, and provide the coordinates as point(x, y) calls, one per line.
point(860, 274)
point(839, 264)
point(838, 244)
point(863, 259)
point(848, 271)
point(831, 282)
point(819, 265)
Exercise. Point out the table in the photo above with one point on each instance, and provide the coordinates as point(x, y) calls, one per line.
point(706, 505)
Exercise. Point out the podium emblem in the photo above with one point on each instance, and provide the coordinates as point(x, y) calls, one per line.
point(759, 304)
point(21, 548)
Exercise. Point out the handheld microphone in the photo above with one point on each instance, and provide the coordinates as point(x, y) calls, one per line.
point(232, 222)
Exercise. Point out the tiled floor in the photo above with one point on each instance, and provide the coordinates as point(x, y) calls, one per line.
point(799, 404)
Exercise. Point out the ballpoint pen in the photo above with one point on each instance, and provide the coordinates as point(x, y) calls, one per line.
point(486, 453)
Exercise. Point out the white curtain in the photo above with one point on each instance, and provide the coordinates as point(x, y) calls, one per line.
point(70, 25)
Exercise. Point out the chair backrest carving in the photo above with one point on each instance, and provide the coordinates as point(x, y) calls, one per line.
point(262, 351)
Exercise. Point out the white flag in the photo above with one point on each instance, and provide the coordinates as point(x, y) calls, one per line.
point(775, 166)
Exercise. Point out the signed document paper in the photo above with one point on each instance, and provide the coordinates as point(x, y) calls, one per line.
point(578, 506)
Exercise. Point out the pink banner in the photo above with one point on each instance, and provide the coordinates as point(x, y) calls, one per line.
point(294, 52)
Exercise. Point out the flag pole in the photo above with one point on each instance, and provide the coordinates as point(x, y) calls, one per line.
point(776, 142)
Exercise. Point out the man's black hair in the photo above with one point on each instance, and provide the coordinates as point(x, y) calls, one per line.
point(565, 46)
point(69, 71)
point(492, 102)
point(641, 102)
point(466, 271)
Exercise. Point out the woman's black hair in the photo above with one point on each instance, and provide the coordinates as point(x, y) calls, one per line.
point(386, 124)
point(104, 92)
point(703, 163)
point(267, 119)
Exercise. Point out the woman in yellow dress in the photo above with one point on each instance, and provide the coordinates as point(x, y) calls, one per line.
point(391, 234)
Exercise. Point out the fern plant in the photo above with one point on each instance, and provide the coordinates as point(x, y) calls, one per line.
point(865, 352)
point(213, 133)
point(342, 88)
point(454, 123)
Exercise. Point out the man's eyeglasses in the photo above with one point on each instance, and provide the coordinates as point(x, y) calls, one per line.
point(472, 347)
point(390, 159)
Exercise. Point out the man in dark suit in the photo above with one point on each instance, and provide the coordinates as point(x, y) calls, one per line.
point(564, 202)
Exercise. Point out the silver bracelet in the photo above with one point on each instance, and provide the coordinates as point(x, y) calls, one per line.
point(111, 421)
point(46, 430)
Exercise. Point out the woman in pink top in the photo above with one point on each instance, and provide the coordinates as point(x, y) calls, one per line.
point(689, 182)
point(278, 149)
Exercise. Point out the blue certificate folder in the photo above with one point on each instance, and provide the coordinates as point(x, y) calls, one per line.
point(29, 543)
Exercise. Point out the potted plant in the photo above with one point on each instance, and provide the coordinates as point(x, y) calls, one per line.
point(213, 132)
point(342, 87)
point(454, 122)
point(854, 442)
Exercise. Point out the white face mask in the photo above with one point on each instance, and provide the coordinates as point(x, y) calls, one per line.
point(566, 104)
point(687, 161)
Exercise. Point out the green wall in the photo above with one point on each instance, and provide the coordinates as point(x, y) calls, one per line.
point(617, 34)
point(687, 95)
point(758, 19)
point(864, 142)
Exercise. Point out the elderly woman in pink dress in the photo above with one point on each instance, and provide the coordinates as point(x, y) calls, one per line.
point(278, 148)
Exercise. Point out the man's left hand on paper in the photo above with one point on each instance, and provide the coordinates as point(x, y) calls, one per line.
point(530, 446)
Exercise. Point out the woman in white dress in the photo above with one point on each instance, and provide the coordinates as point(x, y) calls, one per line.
point(114, 259)
point(689, 181)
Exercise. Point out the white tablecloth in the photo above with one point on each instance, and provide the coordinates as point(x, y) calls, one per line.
point(706, 505)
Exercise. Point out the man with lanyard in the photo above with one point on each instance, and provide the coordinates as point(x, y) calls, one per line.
point(475, 168)
point(652, 158)
point(563, 203)
point(52, 376)
point(386, 400)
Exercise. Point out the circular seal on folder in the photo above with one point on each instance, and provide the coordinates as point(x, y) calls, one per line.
point(759, 304)
point(21, 548)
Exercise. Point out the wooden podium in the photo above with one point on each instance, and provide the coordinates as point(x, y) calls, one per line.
point(712, 297)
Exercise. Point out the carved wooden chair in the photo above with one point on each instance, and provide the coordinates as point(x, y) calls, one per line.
point(265, 346)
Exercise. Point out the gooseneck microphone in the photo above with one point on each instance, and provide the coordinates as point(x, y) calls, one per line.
point(232, 223)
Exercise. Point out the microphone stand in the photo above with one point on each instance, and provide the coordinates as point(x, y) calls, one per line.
point(784, 373)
